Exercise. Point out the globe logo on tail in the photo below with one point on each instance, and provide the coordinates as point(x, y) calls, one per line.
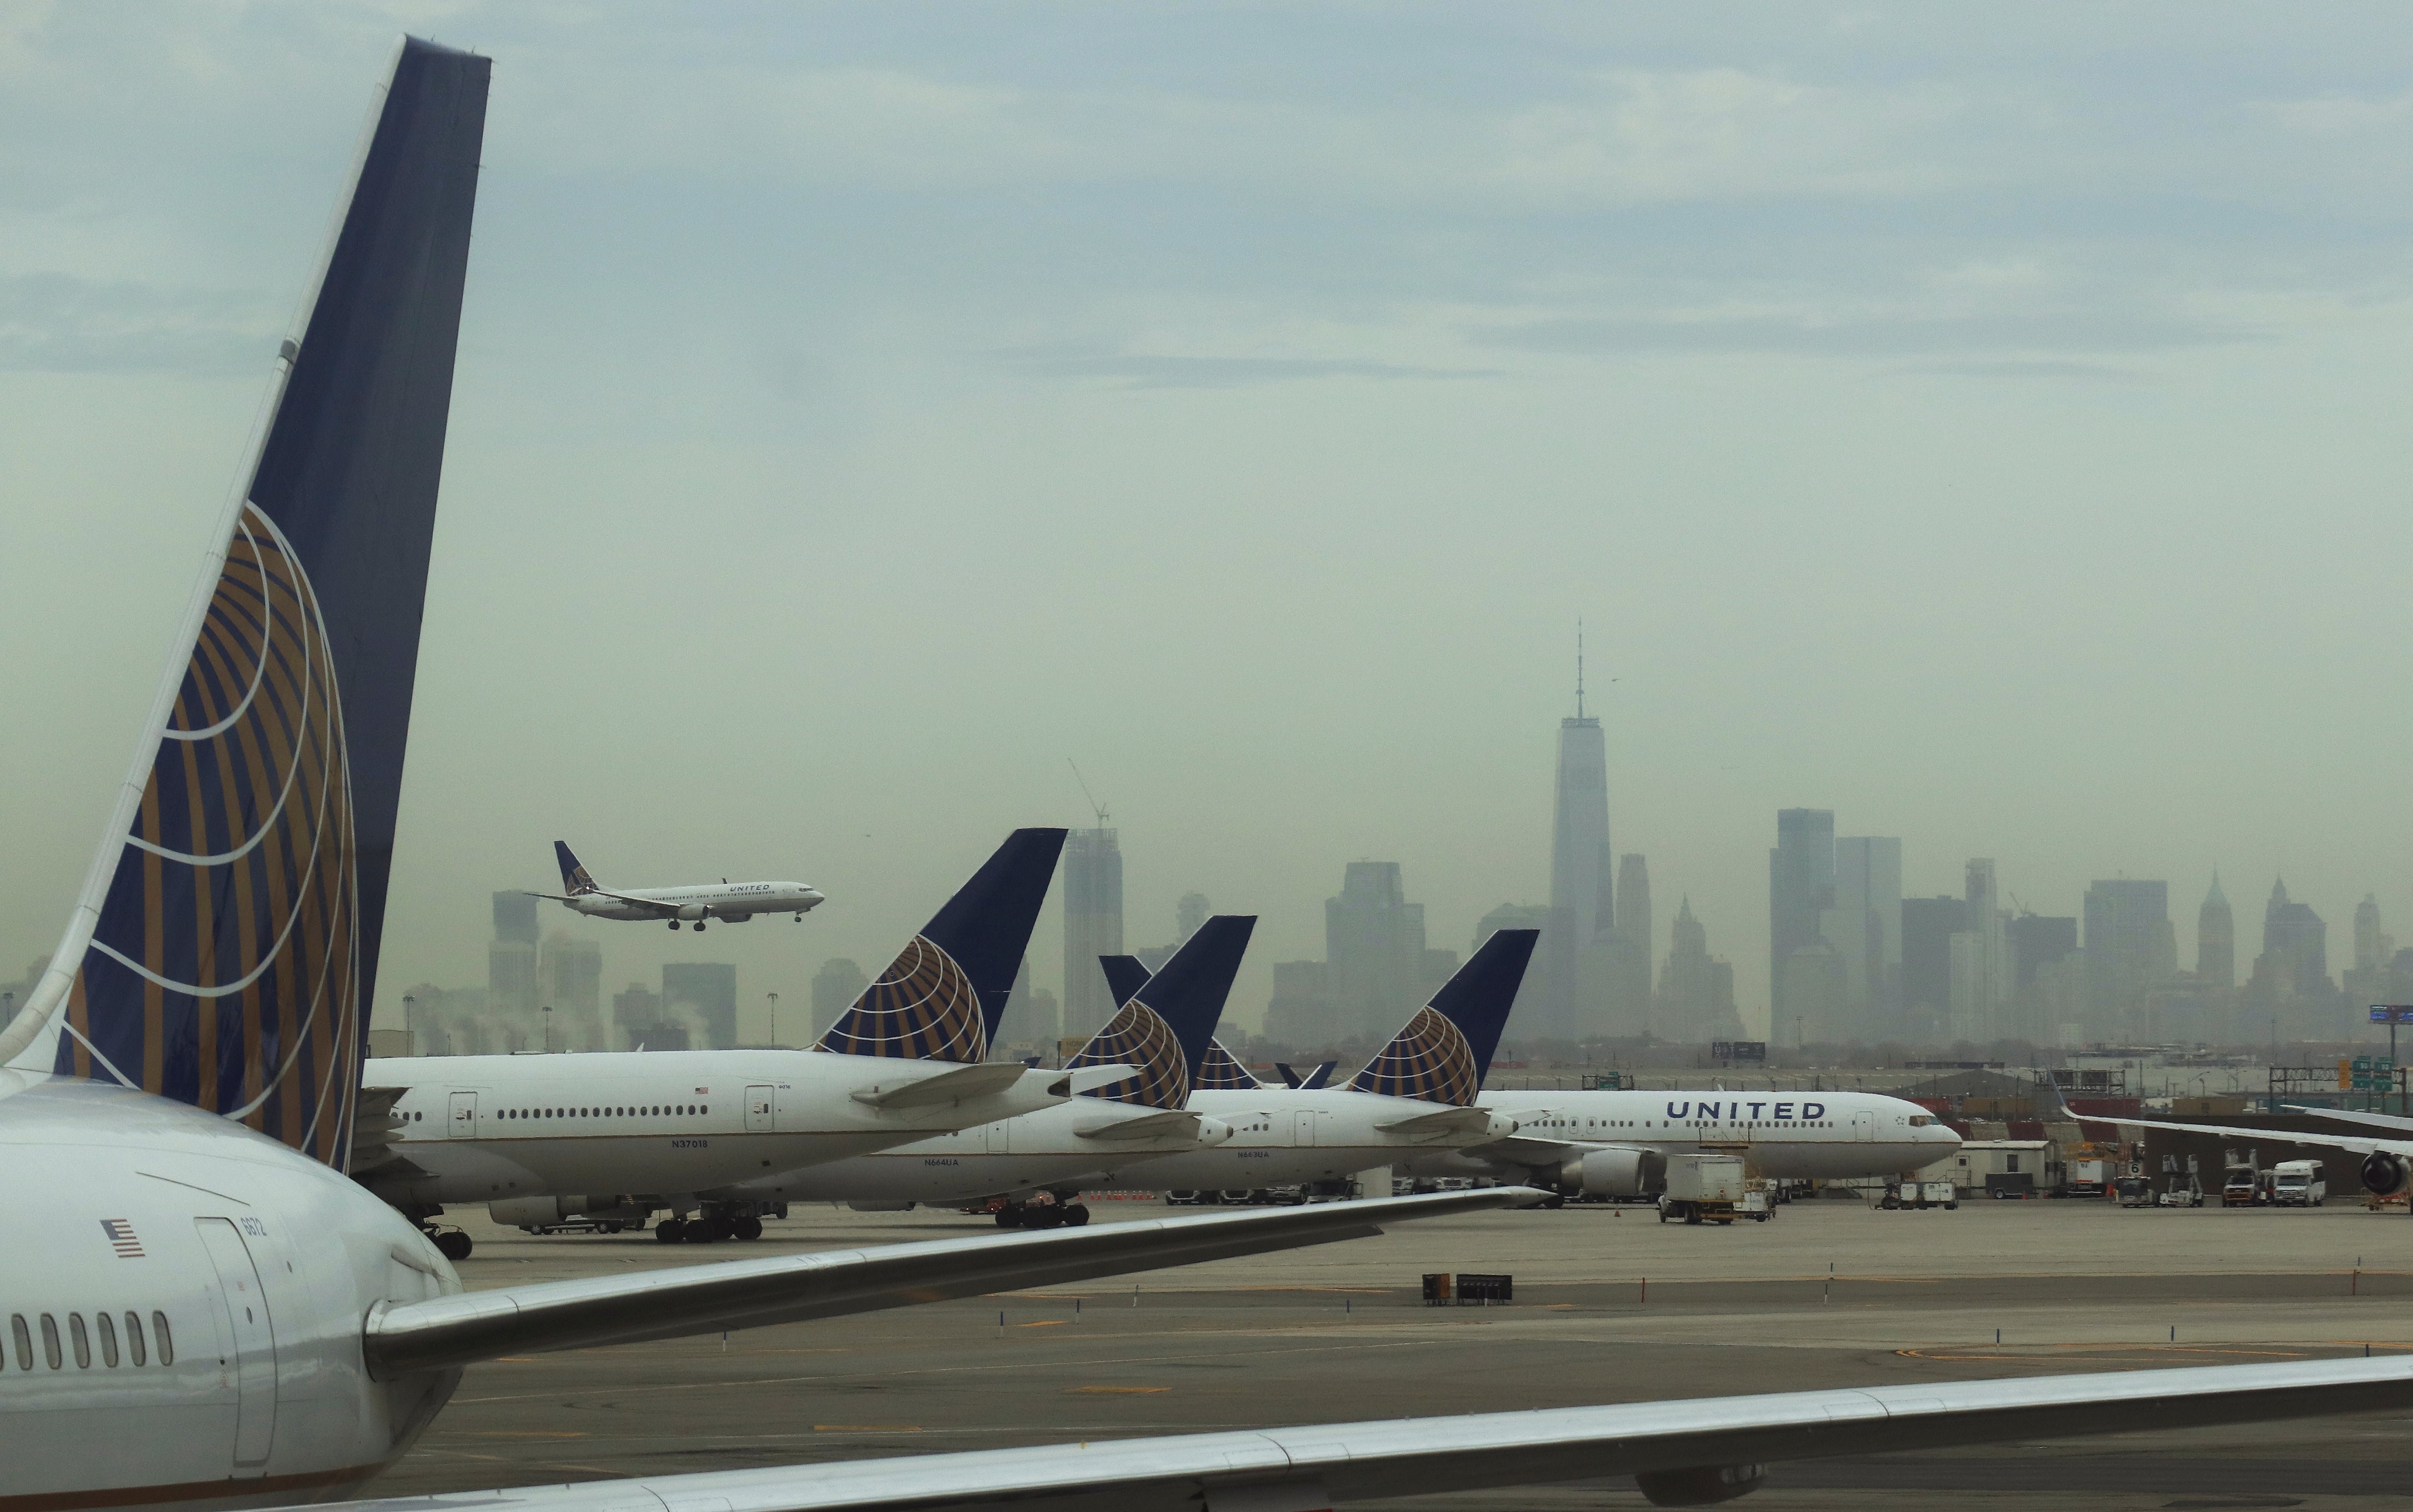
point(1139, 1036)
point(1428, 1060)
point(924, 1007)
point(1217, 1071)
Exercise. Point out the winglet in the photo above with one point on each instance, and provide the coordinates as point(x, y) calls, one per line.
point(1445, 1052)
point(1165, 1026)
point(942, 998)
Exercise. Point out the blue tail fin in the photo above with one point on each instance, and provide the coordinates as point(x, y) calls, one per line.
point(1221, 1071)
point(575, 879)
point(942, 998)
point(1166, 1027)
point(1308, 1083)
point(1445, 1053)
point(1124, 977)
point(225, 947)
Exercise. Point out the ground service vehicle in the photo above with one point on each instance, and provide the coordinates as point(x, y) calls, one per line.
point(1703, 1188)
point(2297, 1183)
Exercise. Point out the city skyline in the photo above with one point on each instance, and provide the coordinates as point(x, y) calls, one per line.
point(1264, 469)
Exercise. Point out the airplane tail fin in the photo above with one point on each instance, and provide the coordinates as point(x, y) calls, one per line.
point(575, 879)
point(224, 950)
point(942, 998)
point(1445, 1051)
point(1220, 1070)
point(1167, 1025)
point(1125, 975)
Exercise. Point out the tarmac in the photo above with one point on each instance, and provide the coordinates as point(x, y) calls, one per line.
point(1610, 1306)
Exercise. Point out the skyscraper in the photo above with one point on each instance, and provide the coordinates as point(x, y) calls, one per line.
point(1928, 925)
point(2373, 944)
point(1613, 972)
point(1094, 926)
point(1865, 927)
point(1800, 887)
point(1582, 893)
point(2215, 939)
point(1695, 999)
point(1984, 976)
point(701, 996)
point(571, 976)
point(512, 983)
point(1378, 970)
point(2130, 948)
point(839, 982)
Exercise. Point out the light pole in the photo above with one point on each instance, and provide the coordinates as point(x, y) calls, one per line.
point(410, 1022)
point(775, 1017)
point(548, 1029)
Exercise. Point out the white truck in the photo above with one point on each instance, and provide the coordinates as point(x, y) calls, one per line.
point(2297, 1183)
point(1703, 1189)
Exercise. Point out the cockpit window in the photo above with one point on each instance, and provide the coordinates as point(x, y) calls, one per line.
point(1920, 1120)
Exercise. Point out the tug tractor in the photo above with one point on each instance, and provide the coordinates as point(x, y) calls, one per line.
point(1040, 1209)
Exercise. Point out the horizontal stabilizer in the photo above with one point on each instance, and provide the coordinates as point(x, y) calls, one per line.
point(960, 1085)
point(1148, 1127)
point(446, 1331)
point(1448, 1121)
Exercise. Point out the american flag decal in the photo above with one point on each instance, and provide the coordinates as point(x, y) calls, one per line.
point(121, 1239)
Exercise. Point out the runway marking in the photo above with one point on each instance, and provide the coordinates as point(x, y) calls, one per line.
point(866, 1427)
point(504, 1432)
point(1047, 1323)
point(2148, 1350)
point(1114, 1390)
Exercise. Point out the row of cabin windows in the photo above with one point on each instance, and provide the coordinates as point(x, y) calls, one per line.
point(80, 1339)
point(679, 1110)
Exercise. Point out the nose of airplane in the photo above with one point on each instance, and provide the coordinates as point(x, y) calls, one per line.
point(813, 898)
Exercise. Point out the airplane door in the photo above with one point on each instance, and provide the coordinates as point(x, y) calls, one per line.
point(760, 1103)
point(1000, 1138)
point(253, 1339)
point(1308, 1119)
point(1864, 1127)
point(461, 1117)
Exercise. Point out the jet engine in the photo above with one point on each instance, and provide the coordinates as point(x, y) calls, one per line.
point(2384, 1174)
point(1614, 1173)
point(693, 912)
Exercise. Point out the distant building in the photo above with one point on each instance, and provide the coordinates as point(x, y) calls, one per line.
point(1864, 924)
point(2374, 946)
point(1380, 971)
point(1582, 891)
point(2130, 948)
point(2291, 976)
point(2215, 939)
point(570, 982)
point(1984, 976)
point(1696, 1002)
point(1301, 1011)
point(1093, 927)
point(1613, 974)
point(701, 996)
point(513, 989)
point(841, 981)
point(2039, 940)
point(1031, 1018)
point(637, 1020)
point(1815, 988)
point(1526, 1014)
point(1928, 925)
point(1800, 889)
point(1187, 916)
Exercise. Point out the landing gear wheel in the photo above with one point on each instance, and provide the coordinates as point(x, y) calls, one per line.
point(707, 1231)
point(1075, 1215)
point(747, 1228)
point(670, 1230)
point(1555, 1203)
point(452, 1244)
point(699, 926)
point(611, 1228)
point(675, 926)
point(1009, 1218)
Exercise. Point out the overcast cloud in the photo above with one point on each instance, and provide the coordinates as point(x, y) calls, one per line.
point(1987, 425)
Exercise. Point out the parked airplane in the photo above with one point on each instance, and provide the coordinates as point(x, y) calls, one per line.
point(1617, 1143)
point(1052, 1155)
point(1409, 1099)
point(732, 903)
point(2387, 1167)
point(202, 1310)
point(617, 1134)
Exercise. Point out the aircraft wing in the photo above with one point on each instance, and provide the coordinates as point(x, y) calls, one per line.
point(2375, 1121)
point(1682, 1452)
point(620, 897)
point(1443, 1122)
point(2326, 1142)
point(446, 1332)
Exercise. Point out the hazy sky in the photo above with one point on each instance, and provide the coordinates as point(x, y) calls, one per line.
point(1990, 425)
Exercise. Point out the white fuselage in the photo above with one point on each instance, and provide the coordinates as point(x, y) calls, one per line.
point(731, 902)
point(486, 1129)
point(1822, 1135)
point(1064, 1146)
point(1282, 1137)
point(260, 1263)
